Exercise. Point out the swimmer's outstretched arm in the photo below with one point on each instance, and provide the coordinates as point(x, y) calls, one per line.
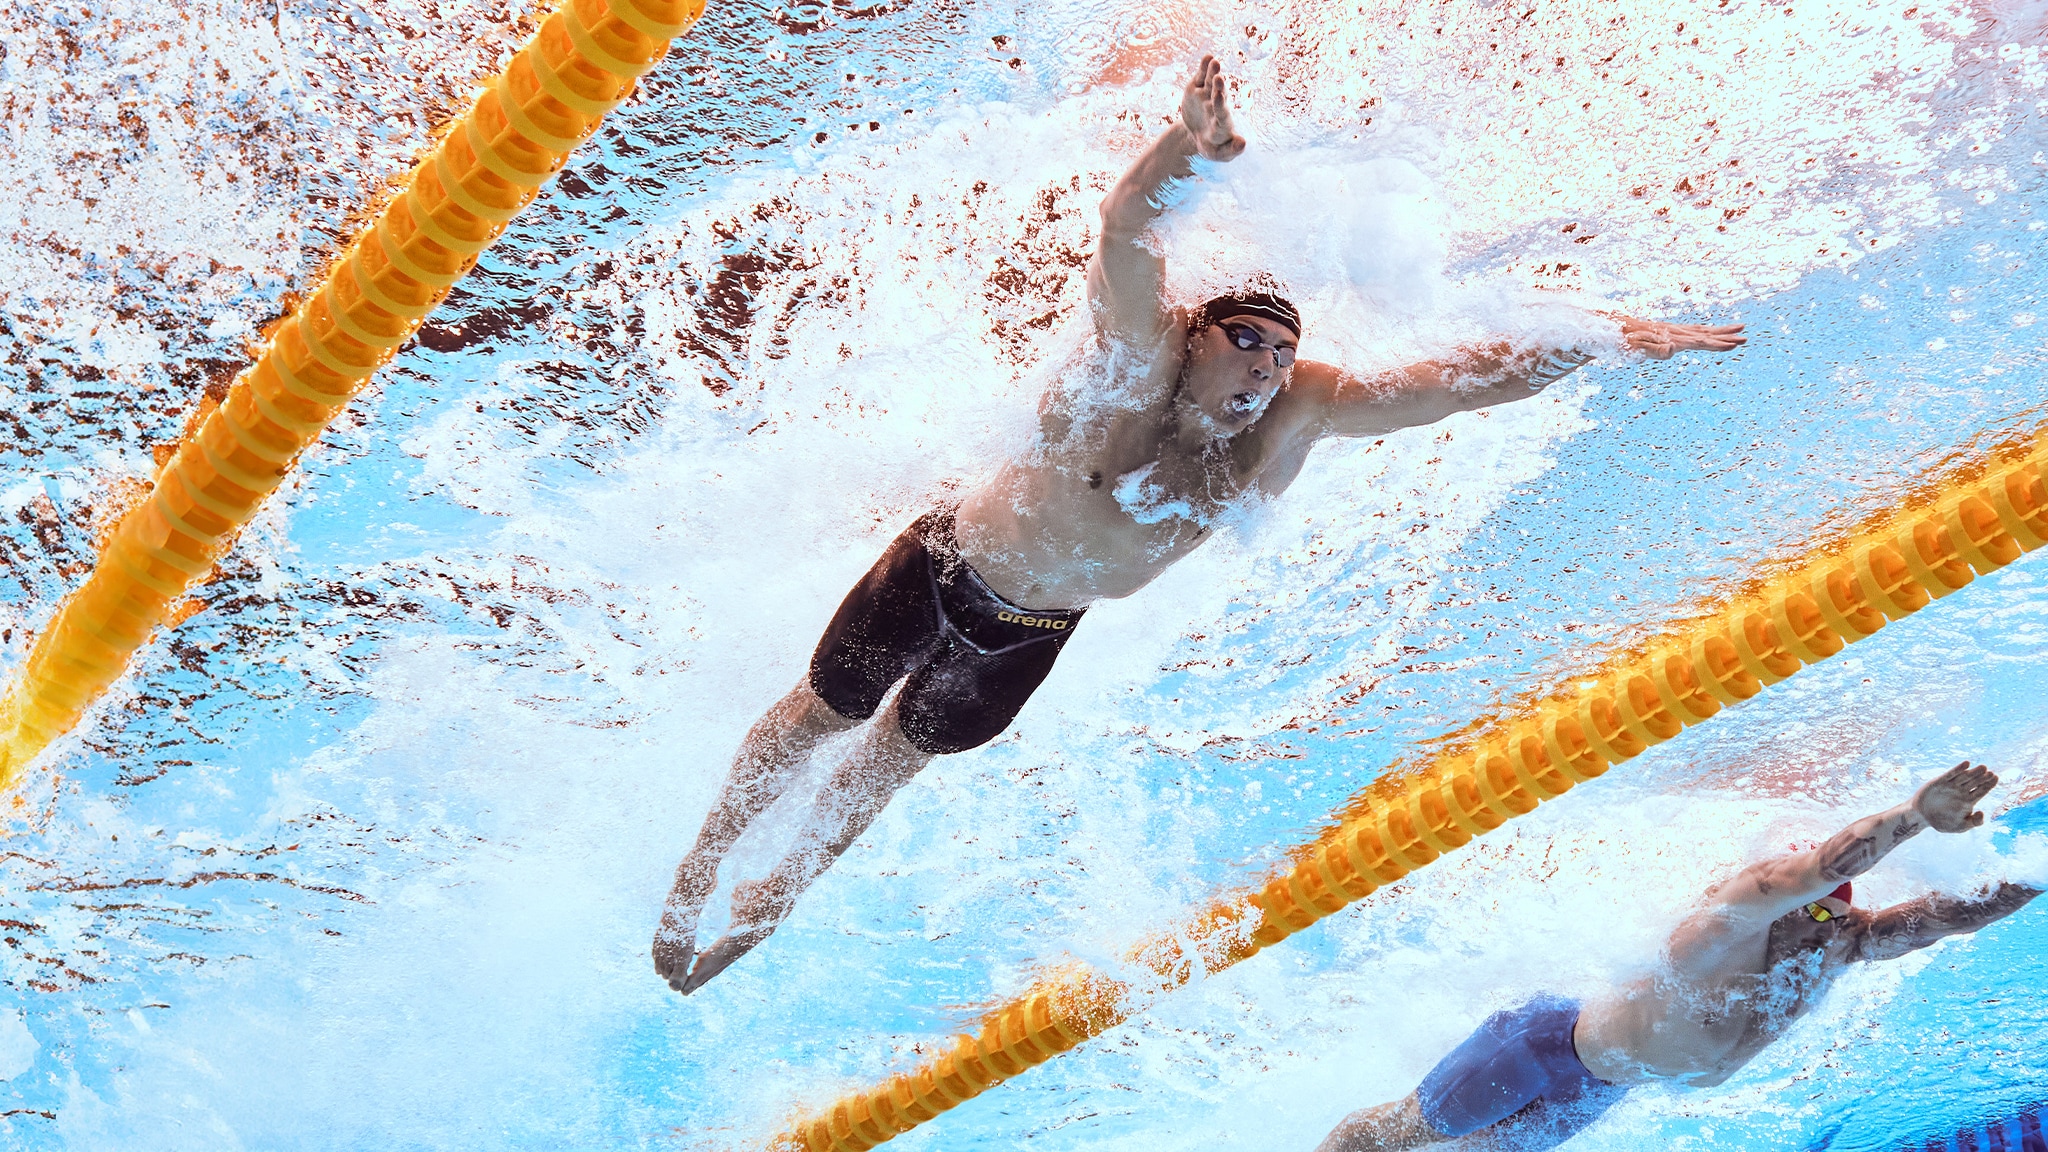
point(1125, 277)
point(1764, 891)
point(1474, 378)
point(1903, 928)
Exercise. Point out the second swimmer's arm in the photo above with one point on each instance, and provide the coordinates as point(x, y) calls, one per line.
point(1774, 887)
point(1124, 279)
point(1743, 907)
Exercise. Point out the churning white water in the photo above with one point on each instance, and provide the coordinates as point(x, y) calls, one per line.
point(369, 853)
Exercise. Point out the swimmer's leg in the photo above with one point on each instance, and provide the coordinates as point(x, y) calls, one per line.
point(763, 769)
point(1517, 1083)
point(883, 629)
point(861, 786)
point(1393, 1127)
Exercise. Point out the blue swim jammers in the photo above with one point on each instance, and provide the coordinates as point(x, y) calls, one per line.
point(1520, 1066)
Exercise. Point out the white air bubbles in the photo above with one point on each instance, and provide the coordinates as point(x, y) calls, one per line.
point(18, 1047)
point(1967, 863)
point(1315, 218)
point(228, 325)
point(1148, 502)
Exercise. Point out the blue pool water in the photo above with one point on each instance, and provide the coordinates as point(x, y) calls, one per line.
point(368, 853)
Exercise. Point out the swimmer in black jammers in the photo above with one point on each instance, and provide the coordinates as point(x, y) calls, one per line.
point(1758, 955)
point(1175, 414)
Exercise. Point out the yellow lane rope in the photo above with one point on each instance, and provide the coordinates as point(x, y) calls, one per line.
point(578, 66)
point(1971, 519)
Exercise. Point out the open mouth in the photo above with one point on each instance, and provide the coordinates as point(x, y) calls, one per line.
point(1243, 404)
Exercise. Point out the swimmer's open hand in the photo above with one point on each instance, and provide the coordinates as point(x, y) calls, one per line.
point(1948, 801)
point(1205, 112)
point(1660, 341)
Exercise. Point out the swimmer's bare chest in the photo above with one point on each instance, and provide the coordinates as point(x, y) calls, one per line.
point(1102, 505)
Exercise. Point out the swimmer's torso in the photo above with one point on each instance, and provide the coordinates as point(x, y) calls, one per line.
point(1701, 1031)
point(1109, 497)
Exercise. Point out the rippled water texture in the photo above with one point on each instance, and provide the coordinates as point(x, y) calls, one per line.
point(368, 852)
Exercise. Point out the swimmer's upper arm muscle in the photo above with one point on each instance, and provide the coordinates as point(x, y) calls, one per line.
point(1739, 911)
point(1124, 284)
point(1125, 277)
point(1768, 889)
point(1349, 404)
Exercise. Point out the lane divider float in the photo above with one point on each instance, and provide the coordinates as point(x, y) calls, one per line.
point(581, 63)
point(1969, 520)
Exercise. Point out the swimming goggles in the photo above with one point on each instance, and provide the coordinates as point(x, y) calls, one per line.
point(1820, 915)
point(1248, 338)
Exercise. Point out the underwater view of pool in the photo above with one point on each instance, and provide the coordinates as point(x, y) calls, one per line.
point(367, 852)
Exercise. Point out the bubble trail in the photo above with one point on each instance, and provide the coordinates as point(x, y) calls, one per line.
point(581, 63)
point(1969, 519)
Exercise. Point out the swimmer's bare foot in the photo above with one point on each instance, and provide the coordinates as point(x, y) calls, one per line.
point(675, 943)
point(757, 908)
point(675, 940)
point(722, 953)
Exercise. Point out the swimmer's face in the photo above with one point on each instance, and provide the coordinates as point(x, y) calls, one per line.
point(1836, 909)
point(1233, 385)
point(1801, 929)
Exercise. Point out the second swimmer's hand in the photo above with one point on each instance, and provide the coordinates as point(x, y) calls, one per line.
point(1205, 113)
point(1948, 801)
point(1660, 341)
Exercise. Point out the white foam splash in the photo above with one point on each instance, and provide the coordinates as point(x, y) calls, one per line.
point(921, 290)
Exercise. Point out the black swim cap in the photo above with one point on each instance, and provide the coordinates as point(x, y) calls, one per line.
point(1249, 303)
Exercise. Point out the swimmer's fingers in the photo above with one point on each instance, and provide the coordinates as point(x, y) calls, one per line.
point(1194, 102)
point(1978, 783)
point(1719, 336)
point(672, 961)
point(1710, 341)
point(1972, 780)
point(1205, 111)
point(1661, 341)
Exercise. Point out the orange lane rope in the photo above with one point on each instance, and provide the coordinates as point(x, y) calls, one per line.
point(1972, 519)
point(580, 64)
